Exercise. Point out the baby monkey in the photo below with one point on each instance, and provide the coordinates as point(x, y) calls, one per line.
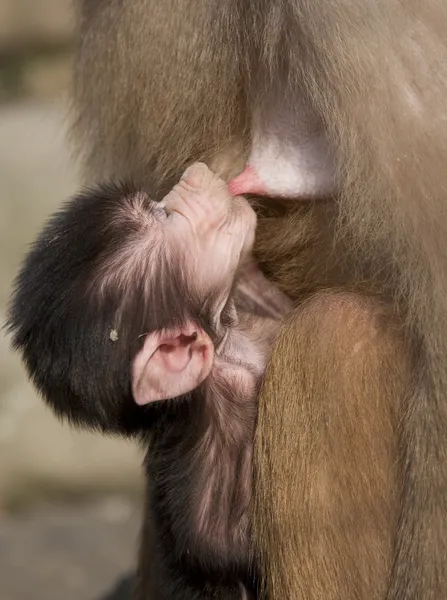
point(134, 316)
point(204, 237)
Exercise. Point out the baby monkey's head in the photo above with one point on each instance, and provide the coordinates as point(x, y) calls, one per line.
point(119, 301)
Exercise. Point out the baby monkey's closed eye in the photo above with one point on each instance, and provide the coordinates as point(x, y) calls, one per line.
point(160, 210)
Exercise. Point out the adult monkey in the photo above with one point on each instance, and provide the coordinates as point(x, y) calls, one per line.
point(351, 476)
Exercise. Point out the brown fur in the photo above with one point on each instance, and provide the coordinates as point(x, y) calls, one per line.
point(327, 434)
point(160, 84)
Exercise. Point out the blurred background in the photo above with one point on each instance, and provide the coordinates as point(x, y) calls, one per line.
point(69, 502)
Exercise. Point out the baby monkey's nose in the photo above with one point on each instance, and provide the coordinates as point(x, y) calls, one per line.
point(213, 191)
point(198, 175)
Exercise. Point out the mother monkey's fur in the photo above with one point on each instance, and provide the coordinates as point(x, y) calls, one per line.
point(351, 469)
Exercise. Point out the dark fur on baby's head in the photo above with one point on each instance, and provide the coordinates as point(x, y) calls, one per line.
point(99, 277)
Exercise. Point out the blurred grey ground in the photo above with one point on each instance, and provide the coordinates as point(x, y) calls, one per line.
point(68, 553)
point(69, 502)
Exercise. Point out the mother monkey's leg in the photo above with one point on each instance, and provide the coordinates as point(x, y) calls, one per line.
point(325, 460)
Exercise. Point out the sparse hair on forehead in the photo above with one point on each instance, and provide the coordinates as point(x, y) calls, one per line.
point(128, 267)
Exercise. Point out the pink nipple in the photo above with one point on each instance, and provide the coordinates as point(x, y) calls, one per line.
point(248, 182)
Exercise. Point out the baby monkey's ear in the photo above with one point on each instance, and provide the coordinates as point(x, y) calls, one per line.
point(171, 363)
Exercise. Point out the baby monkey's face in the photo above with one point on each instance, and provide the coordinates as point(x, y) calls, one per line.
point(204, 233)
point(210, 229)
